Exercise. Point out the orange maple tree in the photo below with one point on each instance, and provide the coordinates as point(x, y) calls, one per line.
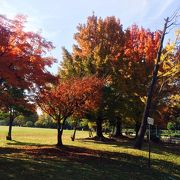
point(105, 34)
point(125, 57)
point(101, 40)
point(72, 97)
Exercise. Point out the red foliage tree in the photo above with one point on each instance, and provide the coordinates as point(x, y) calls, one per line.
point(72, 97)
point(141, 44)
point(140, 50)
point(23, 61)
point(22, 55)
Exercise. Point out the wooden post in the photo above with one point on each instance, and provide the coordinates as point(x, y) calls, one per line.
point(149, 139)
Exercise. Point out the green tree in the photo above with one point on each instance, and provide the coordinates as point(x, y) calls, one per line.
point(29, 124)
point(4, 118)
point(15, 102)
point(171, 126)
point(20, 121)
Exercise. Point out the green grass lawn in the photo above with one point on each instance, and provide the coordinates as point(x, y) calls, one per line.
point(32, 154)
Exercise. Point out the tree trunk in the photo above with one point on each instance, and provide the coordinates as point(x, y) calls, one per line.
point(60, 128)
point(75, 128)
point(118, 130)
point(142, 130)
point(99, 128)
point(59, 142)
point(137, 126)
point(74, 134)
point(11, 118)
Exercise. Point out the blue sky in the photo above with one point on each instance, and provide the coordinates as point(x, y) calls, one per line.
point(58, 19)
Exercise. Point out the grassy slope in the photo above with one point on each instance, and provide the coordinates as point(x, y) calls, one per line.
point(32, 154)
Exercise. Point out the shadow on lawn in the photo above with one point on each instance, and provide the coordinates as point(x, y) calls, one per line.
point(158, 148)
point(122, 142)
point(71, 162)
point(20, 143)
point(4, 150)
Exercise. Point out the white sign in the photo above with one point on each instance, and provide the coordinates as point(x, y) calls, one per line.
point(150, 121)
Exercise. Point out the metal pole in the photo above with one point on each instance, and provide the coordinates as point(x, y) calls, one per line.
point(149, 163)
point(156, 132)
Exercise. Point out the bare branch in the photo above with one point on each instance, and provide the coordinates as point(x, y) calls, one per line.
point(173, 20)
point(174, 15)
point(170, 25)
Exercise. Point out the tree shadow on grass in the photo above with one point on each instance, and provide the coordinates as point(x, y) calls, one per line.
point(112, 141)
point(20, 143)
point(7, 150)
point(167, 148)
point(69, 162)
point(158, 148)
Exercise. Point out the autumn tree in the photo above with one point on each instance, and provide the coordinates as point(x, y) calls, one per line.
point(23, 62)
point(71, 97)
point(139, 141)
point(99, 43)
point(23, 57)
point(135, 69)
point(165, 101)
point(124, 57)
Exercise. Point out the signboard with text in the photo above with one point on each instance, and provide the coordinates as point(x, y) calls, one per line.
point(150, 121)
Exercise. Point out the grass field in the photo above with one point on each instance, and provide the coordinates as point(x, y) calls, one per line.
point(33, 155)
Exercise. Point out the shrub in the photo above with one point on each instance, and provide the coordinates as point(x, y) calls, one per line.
point(171, 126)
point(29, 124)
